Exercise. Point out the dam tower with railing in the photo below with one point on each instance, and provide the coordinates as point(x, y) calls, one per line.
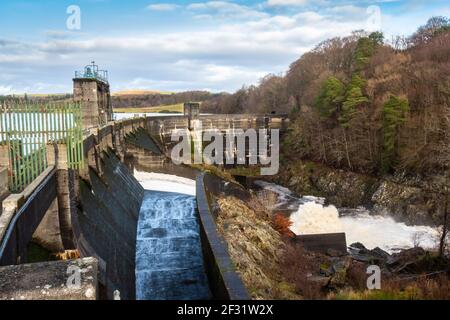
point(91, 88)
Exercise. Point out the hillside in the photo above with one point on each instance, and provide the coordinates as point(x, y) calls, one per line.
point(361, 104)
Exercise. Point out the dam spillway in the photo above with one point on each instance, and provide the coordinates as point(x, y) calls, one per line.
point(169, 261)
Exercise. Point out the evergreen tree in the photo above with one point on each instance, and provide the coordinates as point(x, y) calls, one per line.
point(331, 97)
point(353, 99)
point(394, 114)
point(377, 38)
point(366, 48)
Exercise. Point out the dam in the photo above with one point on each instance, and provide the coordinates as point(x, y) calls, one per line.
point(136, 243)
point(169, 261)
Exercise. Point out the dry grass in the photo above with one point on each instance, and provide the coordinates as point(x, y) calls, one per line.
point(255, 249)
point(139, 92)
point(178, 108)
point(393, 287)
point(297, 265)
point(437, 288)
point(216, 171)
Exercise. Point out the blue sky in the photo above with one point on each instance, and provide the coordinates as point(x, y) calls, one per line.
point(182, 45)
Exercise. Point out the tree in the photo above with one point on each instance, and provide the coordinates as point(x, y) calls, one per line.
point(394, 114)
point(330, 98)
point(353, 99)
point(445, 224)
point(377, 38)
point(272, 94)
point(427, 32)
point(364, 51)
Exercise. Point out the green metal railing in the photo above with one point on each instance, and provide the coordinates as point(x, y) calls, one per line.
point(25, 131)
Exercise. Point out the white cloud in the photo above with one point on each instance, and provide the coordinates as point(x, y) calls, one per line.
point(236, 45)
point(162, 7)
point(225, 57)
point(348, 10)
point(275, 3)
point(226, 9)
point(309, 17)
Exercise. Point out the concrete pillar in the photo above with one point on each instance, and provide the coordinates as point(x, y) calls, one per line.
point(4, 179)
point(3, 183)
point(95, 97)
point(48, 233)
point(57, 156)
point(119, 142)
point(64, 196)
point(4, 156)
point(109, 139)
point(51, 151)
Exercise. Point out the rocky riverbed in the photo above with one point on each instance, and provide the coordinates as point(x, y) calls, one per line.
point(406, 199)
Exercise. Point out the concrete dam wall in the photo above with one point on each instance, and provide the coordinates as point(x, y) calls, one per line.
point(105, 226)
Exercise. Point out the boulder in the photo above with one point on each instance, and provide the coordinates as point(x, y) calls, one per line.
point(407, 260)
point(322, 281)
point(375, 256)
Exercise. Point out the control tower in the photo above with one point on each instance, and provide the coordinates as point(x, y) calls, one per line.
point(91, 88)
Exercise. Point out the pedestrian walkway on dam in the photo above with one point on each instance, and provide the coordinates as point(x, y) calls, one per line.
point(169, 260)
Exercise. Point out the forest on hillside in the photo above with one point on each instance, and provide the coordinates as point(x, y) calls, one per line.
point(363, 103)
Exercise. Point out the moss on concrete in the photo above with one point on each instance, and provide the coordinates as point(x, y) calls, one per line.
point(37, 253)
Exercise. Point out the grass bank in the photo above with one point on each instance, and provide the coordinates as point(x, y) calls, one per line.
point(174, 108)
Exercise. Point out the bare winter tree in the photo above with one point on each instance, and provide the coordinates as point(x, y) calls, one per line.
point(445, 225)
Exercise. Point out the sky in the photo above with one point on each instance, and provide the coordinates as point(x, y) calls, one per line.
point(181, 45)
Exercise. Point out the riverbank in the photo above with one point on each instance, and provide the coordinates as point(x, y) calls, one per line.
point(273, 266)
point(406, 199)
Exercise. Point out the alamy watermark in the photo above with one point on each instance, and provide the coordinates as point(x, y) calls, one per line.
point(74, 279)
point(374, 19)
point(374, 280)
point(231, 146)
point(73, 22)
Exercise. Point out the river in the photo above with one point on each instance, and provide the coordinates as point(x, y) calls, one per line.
point(309, 215)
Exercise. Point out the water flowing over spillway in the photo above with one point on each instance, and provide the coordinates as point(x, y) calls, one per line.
point(169, 261)
point(309, 215)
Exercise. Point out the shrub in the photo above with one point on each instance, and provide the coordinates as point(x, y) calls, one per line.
point(282, 224)
point(297, 265)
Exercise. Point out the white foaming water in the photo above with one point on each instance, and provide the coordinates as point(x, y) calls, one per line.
point(165, 182)
point(169, 262)
point(312, 217)
point(386, 233)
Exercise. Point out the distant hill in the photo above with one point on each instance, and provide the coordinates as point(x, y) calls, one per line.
point(138, 99)
point(39, 97)
point(139, 92)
